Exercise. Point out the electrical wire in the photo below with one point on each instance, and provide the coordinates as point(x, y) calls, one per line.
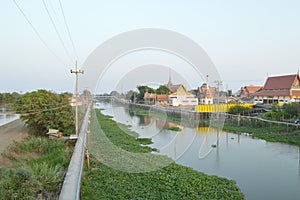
point(37, 33)
point(69, 32)
point(40, 111)
point(57, 32)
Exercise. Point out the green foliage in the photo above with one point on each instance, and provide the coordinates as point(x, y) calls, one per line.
point(38, 172)
point(171, 182)
point(127, 141)
point(44, 109)
point(46, 174)
point(292, 110)
point(239, 110)
point(132, 95)
point(142, 90)
point(7, 99)
point(174, 129)
point(276, 116)
point(163, 89)
point(264, 131)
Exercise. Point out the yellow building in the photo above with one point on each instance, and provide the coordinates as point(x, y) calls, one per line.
point(181, 97)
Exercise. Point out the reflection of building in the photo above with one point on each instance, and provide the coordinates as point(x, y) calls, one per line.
point(145, 120)
point(161, 123)
point(279, 89)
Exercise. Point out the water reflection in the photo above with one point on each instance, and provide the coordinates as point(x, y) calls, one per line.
point(263, 170)
point(6, 118)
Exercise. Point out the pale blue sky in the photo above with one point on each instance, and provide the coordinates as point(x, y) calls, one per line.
point(246, 40)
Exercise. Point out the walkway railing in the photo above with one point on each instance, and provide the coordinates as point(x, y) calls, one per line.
point(72, 183)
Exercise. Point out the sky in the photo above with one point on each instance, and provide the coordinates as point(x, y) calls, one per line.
point(247, 40)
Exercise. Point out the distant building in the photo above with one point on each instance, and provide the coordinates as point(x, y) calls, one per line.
point(181, 97)
point(162, 99)
point(248, 91)
point(211, 95)
point(149, 98)
point(159, 99)
point(279, 89)
point(73, 100)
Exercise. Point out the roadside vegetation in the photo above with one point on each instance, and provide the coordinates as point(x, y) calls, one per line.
point(43, 109)
point(171, 182)
point(37, 168)
point(269, 131)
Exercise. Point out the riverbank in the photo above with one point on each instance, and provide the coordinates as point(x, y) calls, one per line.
point(264, 133)
point(34, 168)
point(170, 182)
point(273, 134)
point(13, 131)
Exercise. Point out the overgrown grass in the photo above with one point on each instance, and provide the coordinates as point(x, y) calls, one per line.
point(171, 182)
point(174, 129)
point(143, 112)
point(39, 165)
point(269, 134)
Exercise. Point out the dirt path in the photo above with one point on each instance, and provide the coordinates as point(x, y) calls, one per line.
point(14, 130)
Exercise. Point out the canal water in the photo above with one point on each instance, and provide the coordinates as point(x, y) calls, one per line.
point(263, 170)
point(6, 118)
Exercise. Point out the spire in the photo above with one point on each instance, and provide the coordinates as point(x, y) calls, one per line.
point(206, 82)
point(170, 81)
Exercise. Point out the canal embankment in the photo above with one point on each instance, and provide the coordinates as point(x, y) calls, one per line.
point(172, 181)
point(271, 131)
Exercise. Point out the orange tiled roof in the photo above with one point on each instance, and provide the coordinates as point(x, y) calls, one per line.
point(252, 89)
point(162, 97)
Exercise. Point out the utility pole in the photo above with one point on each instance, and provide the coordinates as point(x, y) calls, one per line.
point(218, 83)
point(76, 72)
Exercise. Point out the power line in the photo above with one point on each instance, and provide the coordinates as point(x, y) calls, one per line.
point(37, 33)
point(40, 111)
point(57, 32)
point(69, 32)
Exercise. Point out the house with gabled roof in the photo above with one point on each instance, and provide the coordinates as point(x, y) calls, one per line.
point(181, 97)
point(279, 89)
point(248, 91)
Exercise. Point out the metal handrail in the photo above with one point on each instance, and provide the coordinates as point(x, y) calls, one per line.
point(72, 183)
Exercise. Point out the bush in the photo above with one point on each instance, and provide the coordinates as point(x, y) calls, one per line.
point(239, 110)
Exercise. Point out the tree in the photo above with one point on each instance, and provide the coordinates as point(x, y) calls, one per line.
point(292, 110)
point(131, 95)
point(142, 90)
point(239, 110)
point(163, 89)
point(8, 98)
point(43, 109)
point(229, 92)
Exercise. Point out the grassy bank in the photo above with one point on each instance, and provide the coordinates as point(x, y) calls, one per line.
point(142, 112)
point(37, 168)
point(170, 182)
point(271, 135)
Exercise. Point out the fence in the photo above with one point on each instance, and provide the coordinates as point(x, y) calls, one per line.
point(256, 122)
point(72, 183)
point(223, 108)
